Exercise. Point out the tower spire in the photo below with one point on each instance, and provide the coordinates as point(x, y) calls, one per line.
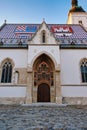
point(74, 3)
point(75, 7)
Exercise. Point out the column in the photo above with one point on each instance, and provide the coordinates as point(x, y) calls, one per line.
point(29, 87)
point(58, 87)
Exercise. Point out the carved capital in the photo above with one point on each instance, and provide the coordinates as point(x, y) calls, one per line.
point(57, 68)
point(29, 69)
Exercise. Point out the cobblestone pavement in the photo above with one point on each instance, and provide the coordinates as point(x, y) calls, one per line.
point(41, 117)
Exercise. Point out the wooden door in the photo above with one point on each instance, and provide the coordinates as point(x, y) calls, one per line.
point(43, 94)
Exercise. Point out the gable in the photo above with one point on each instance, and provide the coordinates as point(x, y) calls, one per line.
point(43, 36)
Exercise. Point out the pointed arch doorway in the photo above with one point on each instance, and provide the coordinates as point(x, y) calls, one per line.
point(44, 75)
point(43, 93)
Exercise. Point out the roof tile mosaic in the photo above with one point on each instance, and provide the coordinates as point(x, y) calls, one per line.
point(13, 33)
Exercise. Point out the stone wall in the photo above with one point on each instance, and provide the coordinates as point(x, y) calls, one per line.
point(74, 100)
point(22, 77)
point(20, 100)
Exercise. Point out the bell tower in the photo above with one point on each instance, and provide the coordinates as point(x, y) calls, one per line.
point(77, 15)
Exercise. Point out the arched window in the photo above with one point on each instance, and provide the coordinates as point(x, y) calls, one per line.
point(6, 72)
point(84, 70)
point(43, 37)
point(16, 77)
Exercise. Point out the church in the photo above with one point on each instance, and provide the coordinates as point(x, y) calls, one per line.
point(45, 62)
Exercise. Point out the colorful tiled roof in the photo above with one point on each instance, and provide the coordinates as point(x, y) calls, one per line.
point(9, 30)
point(12, 33)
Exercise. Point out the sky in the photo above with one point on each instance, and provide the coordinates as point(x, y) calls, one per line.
point(34, 11)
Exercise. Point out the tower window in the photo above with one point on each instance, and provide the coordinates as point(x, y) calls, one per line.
point(80, 22)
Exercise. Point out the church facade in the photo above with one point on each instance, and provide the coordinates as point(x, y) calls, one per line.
point(45, 62)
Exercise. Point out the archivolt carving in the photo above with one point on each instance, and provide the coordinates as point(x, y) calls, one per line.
point(43, 70)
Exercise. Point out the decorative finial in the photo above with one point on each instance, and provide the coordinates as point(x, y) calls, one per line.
point(5, 21)
point(43, 19)
point(74, 3)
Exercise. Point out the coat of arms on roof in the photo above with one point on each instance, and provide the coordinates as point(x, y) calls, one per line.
point(25, 30)
point(62, 30)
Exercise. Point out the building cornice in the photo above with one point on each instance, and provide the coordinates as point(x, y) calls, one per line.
point(13, 46)
point(75, 46)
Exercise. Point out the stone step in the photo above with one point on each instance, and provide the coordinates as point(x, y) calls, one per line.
point(45, 105)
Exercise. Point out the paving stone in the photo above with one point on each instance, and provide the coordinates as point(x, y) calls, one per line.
point(43, 117)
